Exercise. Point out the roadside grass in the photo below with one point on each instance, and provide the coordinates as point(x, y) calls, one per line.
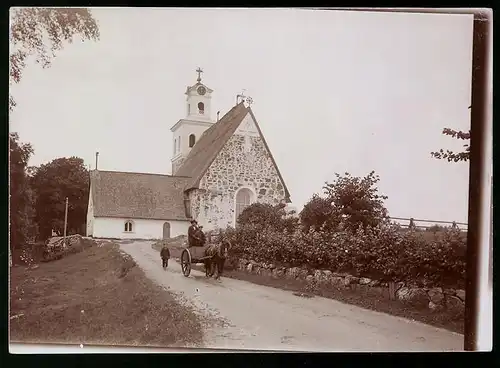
point(97, 296)
point(367, 298)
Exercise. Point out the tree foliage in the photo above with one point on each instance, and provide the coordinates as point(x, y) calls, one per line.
point(263, 215)
point(21, 217)
point(349, 202)
point(317, 213)
point(451, 156)
point(41, 32)
point(52, 183)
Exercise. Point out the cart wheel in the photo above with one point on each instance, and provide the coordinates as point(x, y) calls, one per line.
point(186, 262)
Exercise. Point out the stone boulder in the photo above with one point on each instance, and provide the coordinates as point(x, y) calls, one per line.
point(455, 306)
point(460, 294)
point(280, 272)
point(436, 296)
point(337, 281)
point(303, 273)
point(374, 283)
point(250, 267)
point(364, 281)
point(449, 291)
point(293, 272)
point(349, 280)
point(417, 298)
point(435, 307)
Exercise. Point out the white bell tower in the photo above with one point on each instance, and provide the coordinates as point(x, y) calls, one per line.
point(187, 131)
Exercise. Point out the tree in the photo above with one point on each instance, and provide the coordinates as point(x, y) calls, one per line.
point(355, 201)
point(263, 215)
point(21, 217)
point(317, 213)
point(31, 27)
point(454, 156)
point(52, 183)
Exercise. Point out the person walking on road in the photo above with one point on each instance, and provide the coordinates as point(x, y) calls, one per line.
point(165, 256)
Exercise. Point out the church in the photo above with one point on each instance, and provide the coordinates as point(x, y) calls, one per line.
point(218, 169)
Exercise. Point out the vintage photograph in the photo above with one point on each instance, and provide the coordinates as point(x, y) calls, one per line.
point(256, 179)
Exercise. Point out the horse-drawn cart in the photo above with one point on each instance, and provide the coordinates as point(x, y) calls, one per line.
point(191, 255)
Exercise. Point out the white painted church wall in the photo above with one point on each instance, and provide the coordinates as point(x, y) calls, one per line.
point(108, 227)
point(90, 215)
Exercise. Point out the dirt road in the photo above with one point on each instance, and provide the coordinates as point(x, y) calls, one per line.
point(242, 315)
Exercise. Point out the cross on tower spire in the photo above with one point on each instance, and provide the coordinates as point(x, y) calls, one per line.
point(199, 71)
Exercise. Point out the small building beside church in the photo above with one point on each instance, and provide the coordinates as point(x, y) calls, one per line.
point(218, 169)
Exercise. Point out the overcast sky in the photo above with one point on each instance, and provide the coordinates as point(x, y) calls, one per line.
point(333, 92)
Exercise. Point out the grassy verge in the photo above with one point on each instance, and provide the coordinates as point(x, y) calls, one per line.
point(97, 296)
point(365, 298)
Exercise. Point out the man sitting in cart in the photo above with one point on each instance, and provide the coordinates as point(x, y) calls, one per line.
point(194, 238)
point(202, 236)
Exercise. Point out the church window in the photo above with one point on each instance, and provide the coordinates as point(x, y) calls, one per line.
point(243, 199)
point(128, 226)
point(175, 146)
point(179, 145)
point(192, 140)
point(201, 107)
point(189, 109)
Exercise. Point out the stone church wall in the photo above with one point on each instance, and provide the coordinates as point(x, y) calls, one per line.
point(237, 165)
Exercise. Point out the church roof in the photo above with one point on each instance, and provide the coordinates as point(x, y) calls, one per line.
point(138, 195)
point(211, 143)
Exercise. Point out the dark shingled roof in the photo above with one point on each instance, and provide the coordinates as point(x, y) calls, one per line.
point(211, 143)
point(138, 195)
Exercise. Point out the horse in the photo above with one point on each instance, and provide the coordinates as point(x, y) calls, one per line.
point(218, 253)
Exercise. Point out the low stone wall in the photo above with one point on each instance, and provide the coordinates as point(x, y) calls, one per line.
point(435, 299)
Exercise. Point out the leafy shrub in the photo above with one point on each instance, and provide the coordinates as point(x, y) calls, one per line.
point(382, 252)
point(263, 215)
point(350, 201)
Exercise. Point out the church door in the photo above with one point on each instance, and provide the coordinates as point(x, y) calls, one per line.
point(166, 230)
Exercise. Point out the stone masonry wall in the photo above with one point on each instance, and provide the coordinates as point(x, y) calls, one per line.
point(436, 299)
point(237, 165)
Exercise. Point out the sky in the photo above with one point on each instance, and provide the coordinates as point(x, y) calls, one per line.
point(333, 92)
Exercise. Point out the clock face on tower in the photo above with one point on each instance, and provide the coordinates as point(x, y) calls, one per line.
point(201, 90)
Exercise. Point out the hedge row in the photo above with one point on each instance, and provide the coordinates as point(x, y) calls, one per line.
point(386, 252)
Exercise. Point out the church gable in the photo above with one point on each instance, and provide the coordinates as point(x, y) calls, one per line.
point(243, 165)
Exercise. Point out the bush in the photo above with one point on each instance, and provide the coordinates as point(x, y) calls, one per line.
point(382, 252)
point(263, 215)
point(349, 201)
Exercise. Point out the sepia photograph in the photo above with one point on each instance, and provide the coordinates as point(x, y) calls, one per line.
point(247, 179)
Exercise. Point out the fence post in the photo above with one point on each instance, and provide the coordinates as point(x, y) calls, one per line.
point(392, 290)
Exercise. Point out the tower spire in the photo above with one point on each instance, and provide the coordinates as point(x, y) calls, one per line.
point(199, 71)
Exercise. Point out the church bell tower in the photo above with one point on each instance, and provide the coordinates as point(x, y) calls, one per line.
point(187, 131)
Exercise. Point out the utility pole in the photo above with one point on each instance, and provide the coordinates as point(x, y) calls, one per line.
point(96, 159)
point(65, 220)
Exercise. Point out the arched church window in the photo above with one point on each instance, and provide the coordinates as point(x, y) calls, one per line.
point(189, 109)
point(192, 140)
point(201, 107)
point(175, 146)
point(128, 226)
point(244, 198)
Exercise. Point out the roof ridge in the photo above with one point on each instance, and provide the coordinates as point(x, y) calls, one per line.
point(210, 143)
point(139, 173)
